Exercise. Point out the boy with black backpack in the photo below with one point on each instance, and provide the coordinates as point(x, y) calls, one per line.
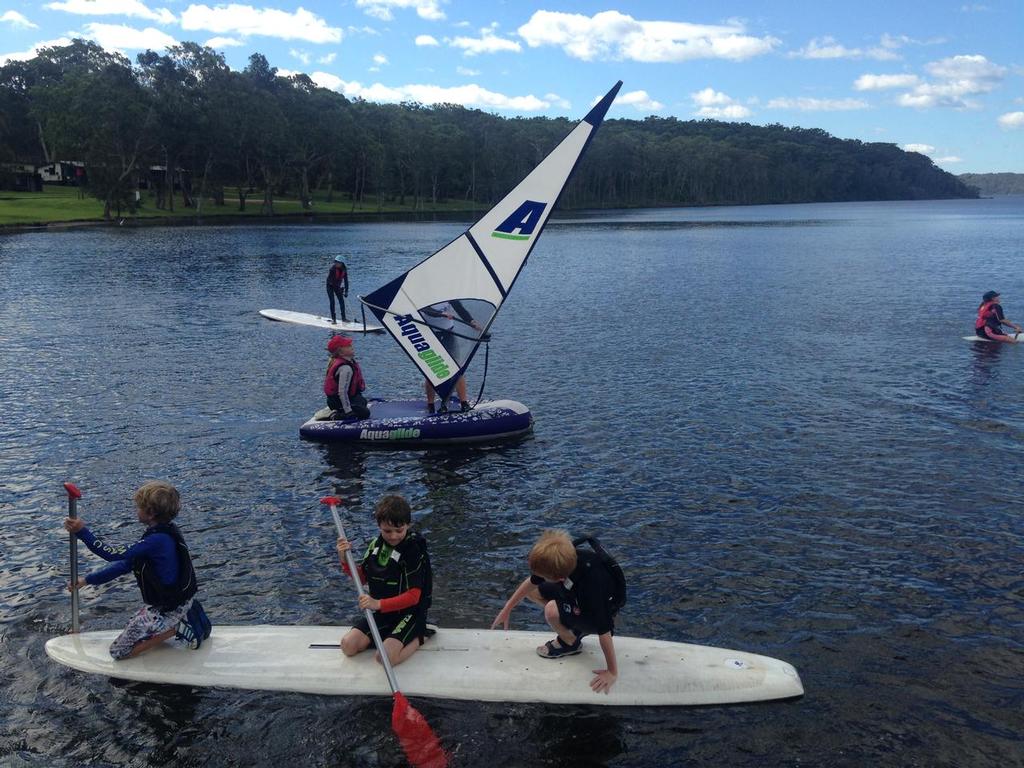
point(581, 591)
point(396, 571)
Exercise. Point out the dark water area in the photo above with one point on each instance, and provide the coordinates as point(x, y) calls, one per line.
point(767, 413)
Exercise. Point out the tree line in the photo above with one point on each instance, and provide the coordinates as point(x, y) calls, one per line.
point(241, 137)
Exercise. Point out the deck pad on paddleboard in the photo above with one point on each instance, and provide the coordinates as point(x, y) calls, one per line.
point(468, 664)
point(1018, 340)
point(318, 321)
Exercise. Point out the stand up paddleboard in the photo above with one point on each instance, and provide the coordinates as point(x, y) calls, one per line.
point(467, 664)
point(1016, 340)
point(407, 424)
point(316, 321)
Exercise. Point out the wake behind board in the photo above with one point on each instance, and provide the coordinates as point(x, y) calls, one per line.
point(466, 664)
point(317, 321)
point(406, 423)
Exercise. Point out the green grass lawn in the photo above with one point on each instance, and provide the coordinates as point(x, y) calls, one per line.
point(65, 204)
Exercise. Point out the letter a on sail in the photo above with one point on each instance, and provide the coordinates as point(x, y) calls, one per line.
point(439, 310)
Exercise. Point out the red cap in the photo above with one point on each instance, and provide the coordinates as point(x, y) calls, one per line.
point(337, 342)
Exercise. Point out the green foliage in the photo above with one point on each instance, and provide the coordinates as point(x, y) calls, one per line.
point(184, 125)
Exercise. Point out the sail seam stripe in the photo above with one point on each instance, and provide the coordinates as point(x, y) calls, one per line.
point(487, 264)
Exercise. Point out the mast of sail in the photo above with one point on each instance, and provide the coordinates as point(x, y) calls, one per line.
point(440, 309)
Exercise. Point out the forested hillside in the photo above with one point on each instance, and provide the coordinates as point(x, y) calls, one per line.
point(228, 136)
point(995, 183)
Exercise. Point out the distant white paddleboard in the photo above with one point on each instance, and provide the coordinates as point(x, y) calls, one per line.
point(468, 664)
point(316, 321)
point(990, 341)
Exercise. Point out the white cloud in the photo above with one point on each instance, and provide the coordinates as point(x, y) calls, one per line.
point(488, 42)
point(804, 104)
point(300, 55)
point(16, 19)
point(467, 95)
point(828, 48)
point(949, 160)
point(957, 80)
point(612, 35)
point(327, 58)
point(382, 9)
point(467, 72)
point(422, 40)
point(33, 51)
point(924, 149)
point(1012, 120)
point(268, 22)
point(716, 105)
point(120, 37)
point(883, 82)
point(223, 42)
point(557, 100)
point(639, 100)
point(380, 59)
point(134, 8)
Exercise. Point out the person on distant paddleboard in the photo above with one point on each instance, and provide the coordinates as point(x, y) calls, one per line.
point(576, 591)
point(337, 286)
point(343, 384)
point(396, 570)
point(990, 321)
point(441, 318)
point(163, 569)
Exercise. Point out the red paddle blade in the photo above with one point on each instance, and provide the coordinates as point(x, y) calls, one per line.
point(421, 746)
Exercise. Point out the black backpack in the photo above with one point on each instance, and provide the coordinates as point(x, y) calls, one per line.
point(618, 598)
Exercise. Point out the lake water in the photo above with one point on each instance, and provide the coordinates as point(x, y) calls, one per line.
point(767, 413)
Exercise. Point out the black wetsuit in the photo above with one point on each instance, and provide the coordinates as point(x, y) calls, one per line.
point(391, 571)
point(584, 599)
point(337, 286)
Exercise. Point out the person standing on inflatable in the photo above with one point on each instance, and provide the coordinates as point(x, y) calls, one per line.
point(990, 322)
point(163, 570)
point(337, 285)
point(344, 383)
point(441, 317)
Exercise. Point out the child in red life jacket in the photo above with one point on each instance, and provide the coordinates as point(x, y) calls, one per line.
point(575, 593)
point(396, 571)
point(990, 320)
point(337, 287)
point(344, 383)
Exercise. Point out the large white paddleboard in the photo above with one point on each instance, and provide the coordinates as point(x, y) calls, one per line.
point(317, 321)
point(470, 664)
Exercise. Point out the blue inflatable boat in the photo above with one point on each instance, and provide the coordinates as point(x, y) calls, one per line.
point(406, 423)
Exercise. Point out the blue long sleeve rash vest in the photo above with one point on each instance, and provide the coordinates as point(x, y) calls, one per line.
point(158, 548)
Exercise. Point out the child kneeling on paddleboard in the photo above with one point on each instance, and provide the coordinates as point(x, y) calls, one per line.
point(163, 569)
point(580, 591)
point(396, 571)
point(343, 384)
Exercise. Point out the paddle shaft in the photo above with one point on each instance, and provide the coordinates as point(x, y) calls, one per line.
point(73, 513)
point(354, 570)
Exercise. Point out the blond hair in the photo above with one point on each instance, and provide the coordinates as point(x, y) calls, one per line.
point(159, 499)
point(553, 555)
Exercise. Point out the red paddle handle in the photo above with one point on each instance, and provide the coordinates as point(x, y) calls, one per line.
point(73, 492)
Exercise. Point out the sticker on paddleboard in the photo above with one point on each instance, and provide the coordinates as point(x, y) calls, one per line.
point(736, 664)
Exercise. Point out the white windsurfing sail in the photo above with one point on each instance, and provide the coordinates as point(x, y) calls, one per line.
point(440, 309)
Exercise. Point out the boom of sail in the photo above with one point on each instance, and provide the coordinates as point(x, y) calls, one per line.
point(441, 309)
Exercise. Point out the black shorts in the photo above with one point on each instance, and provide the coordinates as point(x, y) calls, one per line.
point(403, 626)
point(568, 612)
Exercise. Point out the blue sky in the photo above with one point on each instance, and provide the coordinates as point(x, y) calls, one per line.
point(943, 78)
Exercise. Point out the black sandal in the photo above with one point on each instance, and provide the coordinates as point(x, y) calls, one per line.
point(550, 651)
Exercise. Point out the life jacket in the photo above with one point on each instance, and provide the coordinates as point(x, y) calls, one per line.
point(355, 385)
point(166, 596)
point(336, 276)
point(985, 313)
point(385, 572)
point(618, 597)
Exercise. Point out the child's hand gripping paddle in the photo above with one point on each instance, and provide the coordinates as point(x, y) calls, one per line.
point(420, 744)
point(73, 496)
